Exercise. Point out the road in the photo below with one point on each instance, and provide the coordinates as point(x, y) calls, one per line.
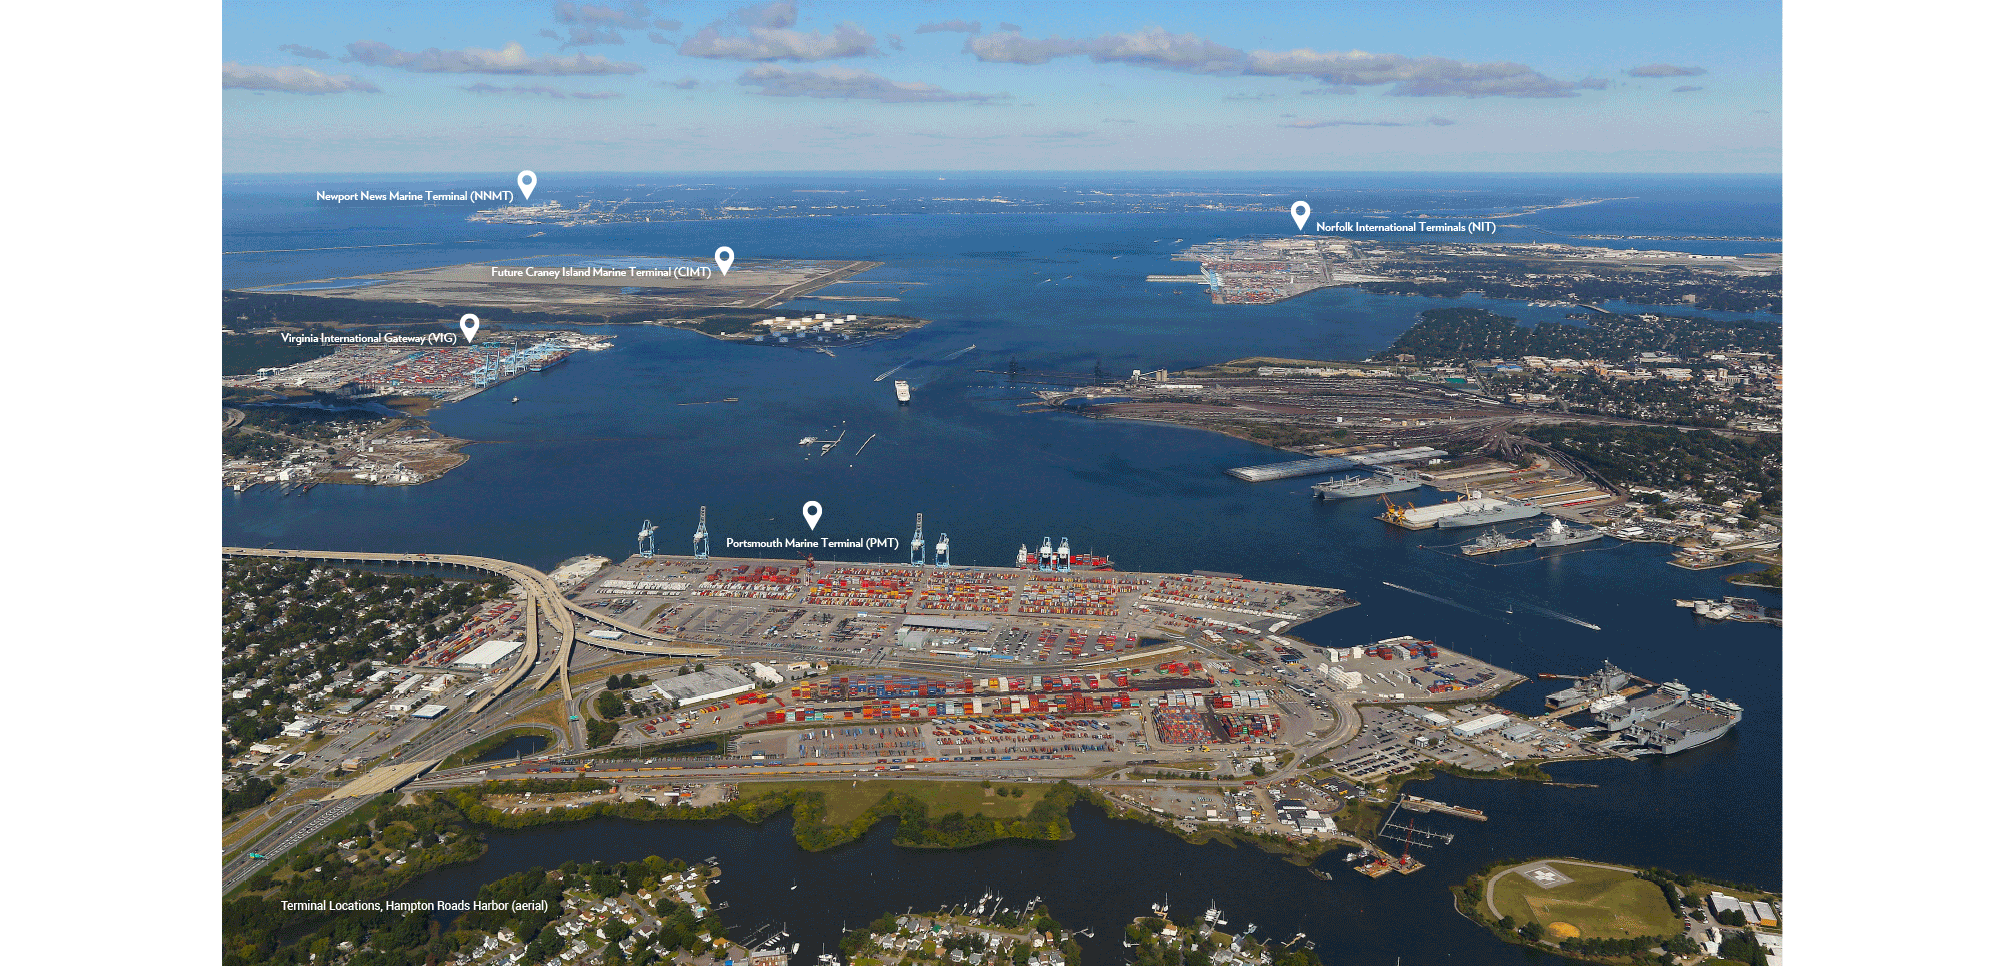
point(306, 821)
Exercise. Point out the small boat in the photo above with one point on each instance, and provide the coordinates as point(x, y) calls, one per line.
point(515, 399)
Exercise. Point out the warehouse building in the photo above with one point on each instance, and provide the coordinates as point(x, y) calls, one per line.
point(429, 711)
point(716, 682)
point(1467, 729)
point(489, 655)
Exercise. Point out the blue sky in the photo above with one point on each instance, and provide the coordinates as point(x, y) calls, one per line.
point(942, 85)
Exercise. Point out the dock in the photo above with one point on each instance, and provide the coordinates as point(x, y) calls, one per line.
point(946, 615)
point(1332, 464)
point(1415, 804)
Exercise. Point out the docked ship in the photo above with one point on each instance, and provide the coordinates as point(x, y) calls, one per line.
point(545, 362)
point(1561, 535)
point(1606, 682)
point(902, 392)
point(1374, 484)
point(1673, 719)
point(1492, 542)
point(1733, 609)
point(1481, 511)
point(1077, 561)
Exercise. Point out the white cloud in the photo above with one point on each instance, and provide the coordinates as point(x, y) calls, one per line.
point(1412, 76)
point(850, 84)
point(295, 80)
point(778, 43)
point(297, 50)
point(1156, 48)
point(512, 59)
point(538, 90)
point(1150, 47)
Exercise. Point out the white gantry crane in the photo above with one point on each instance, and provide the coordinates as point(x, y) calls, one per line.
point(646, 538)
point(701, 536)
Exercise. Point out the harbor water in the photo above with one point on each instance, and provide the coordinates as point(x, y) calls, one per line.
point(601, 442)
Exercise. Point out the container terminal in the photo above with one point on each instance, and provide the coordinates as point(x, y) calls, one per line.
point(1051, 608)
point(741, 670)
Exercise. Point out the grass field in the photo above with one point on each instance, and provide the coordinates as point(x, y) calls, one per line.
point(548, 712)
point(845, 801)
point(1601, 903)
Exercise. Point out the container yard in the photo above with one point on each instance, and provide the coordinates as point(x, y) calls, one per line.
point(447, 374)
point(971, 616)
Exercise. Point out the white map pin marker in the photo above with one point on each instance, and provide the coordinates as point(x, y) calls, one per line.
point(468, 324)
point(812, 509)
point(1300, 212)
point(526, 181)
point(725, 257)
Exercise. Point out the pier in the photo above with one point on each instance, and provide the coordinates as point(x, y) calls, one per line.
point(1332, 464)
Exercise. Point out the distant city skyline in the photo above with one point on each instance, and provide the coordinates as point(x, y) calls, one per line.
point(1679, 87)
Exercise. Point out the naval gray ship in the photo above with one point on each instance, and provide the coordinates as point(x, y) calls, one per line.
point(1607, 682)
point(1560, 535)
point(1485, 511)
point(1685, 721)
point(1491, 542)
point(1374, 484)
